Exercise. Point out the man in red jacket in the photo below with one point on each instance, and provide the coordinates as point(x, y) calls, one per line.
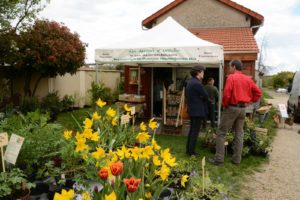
point(239, 91)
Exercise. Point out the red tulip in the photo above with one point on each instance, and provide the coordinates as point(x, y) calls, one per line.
point(103, 173)
point(132, 184)
point(116, 168)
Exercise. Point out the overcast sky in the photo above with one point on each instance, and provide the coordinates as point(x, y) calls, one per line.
point(102, 22)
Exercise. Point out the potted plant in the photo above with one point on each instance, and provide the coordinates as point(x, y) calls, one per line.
point(13, 185)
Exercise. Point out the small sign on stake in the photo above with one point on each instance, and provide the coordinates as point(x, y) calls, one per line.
point(13, 148)
point(203, 174)
point(3, 142)
point(124, 119)
point(132, 109)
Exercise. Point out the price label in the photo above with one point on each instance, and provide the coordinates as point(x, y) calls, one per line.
point(3, 139)
point(124, 119)
point(13, 148)
point(132, 109)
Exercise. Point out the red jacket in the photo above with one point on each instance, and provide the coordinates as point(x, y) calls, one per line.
point(239, 88)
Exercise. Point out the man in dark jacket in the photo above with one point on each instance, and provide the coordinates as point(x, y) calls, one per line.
point(197, 106)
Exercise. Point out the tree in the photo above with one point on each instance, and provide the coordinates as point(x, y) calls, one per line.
point(48, 49)
point(14, 13)
point(282, 79)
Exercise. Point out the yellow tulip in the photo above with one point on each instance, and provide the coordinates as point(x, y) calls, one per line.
point(111, 112)
point(96, 116)
point(112, 196)
point(88, 123)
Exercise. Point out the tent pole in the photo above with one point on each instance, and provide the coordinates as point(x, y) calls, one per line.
point(221, 75)
point(139, 79)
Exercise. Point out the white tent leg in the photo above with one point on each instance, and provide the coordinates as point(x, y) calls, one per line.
point(221, 74)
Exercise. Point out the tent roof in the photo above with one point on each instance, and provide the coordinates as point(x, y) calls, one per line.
point(164, 38)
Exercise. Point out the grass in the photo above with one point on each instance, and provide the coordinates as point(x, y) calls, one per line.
point(70, 119)
point(265, 95)
point(230, 175)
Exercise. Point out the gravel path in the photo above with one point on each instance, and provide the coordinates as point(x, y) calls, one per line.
point(280, 178)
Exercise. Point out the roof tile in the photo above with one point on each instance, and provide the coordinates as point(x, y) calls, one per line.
point(232, 39)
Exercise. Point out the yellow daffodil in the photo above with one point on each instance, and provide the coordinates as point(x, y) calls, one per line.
point(155, 145)
point(98, 153)
point(88, 123)
point(81, 146)
point(167, 157)
point(87, 133)
point(143, 127)
point(113, 156)
point(67, 134)
point(100, 103)
point(123, 153)
point(114, 121)
point(80, 137)
point(183, 180)
point(65, 195)
point(143, 137)
point(94, 136)
point(153, 125)
point(136, 153)
point(110, 112)
point(148, 195)
point(147, 152)
point(156, 161)
point(126, 108)
point(86, 196)
point(112, 196)
point(164, 172)
point(96, 116)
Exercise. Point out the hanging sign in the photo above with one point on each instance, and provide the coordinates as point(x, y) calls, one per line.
point(3, 139)
point(13, 148)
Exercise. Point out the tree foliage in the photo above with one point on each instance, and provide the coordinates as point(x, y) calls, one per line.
point(282, 79)
point(48, 49)
point(14, 13)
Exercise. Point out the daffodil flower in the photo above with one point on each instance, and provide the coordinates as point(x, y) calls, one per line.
point(110, 112)
point(156, 161)
point(142, 137)
point(100, 103)
point(183, 180)
point(96, 116)
point(153, 125)
point(99, 153)
point(88, 123)
point(155, 145)
point(164, 172)
point(143, 126)
point(67, 134)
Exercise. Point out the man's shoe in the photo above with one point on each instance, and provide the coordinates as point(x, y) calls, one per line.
point(213, 161)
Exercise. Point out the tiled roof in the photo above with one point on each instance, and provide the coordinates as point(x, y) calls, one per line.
point(257, 18)
point(232, 39)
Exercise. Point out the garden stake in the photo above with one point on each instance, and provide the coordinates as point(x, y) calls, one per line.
point(203, 172)
point(2, 158)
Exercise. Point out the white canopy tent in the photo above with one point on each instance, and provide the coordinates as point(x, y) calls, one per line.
point(166, 45)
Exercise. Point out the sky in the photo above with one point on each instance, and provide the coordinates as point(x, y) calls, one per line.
point(103, 22)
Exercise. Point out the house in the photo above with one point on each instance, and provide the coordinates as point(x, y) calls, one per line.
point(222, 22)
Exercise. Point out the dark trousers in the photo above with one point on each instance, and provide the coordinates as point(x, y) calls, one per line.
point(212, 114)
point(193, 134)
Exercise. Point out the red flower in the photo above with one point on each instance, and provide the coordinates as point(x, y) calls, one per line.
point(116, 168)
point(103, 173)
point(132, 184)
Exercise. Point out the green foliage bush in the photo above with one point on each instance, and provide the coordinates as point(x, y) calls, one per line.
point(29, 104)
point(51, 104)
point(100, 91)
point(67, 102)
point(42, 139)
point(282, 79)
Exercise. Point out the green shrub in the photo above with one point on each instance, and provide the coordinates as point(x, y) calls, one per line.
point(42, 139)
point(29, 104)
point(100, 91)
point(67, 102)
point(51, 104)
